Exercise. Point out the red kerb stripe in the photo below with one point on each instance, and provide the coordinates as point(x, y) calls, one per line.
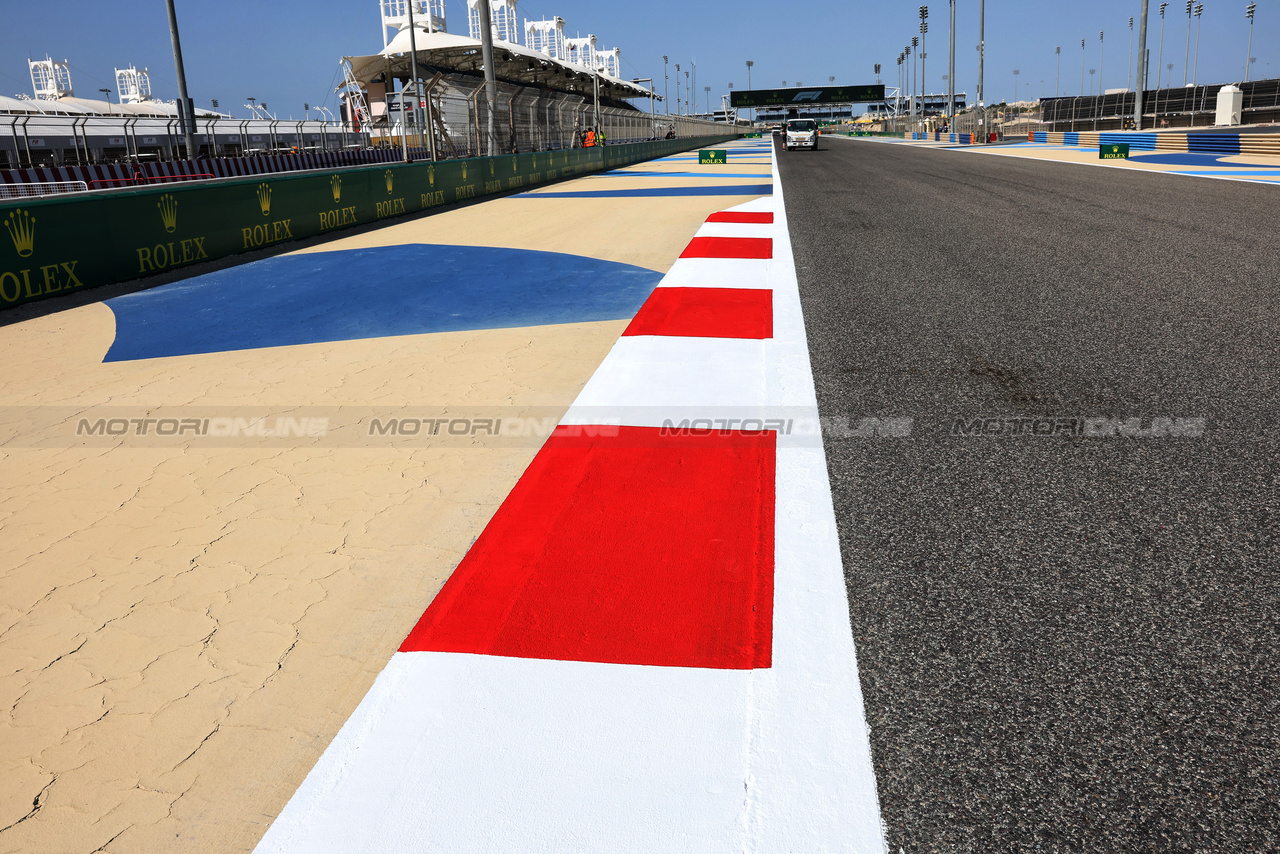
point(729, 247)
point(706, 313)
point(623, 545)
point(735, 216)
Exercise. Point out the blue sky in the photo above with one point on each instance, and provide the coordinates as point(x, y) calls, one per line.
point(287, 53)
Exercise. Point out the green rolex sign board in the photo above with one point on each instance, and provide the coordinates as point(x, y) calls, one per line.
point(718, 155)
point(1116, 151)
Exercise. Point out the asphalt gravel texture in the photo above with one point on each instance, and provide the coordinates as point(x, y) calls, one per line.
point(1067, 642)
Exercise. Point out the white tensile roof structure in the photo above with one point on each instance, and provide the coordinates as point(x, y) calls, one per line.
point(513, 63)
point(92, 107)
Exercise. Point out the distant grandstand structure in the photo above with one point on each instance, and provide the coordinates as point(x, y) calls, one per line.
point(551, 89)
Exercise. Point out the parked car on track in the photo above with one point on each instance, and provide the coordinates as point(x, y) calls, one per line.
point(801, 133)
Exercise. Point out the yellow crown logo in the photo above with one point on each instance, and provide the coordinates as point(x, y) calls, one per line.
point(336, 184)
point(169, 212)
point(390, 180)
point(515, 166)
point(264, 198)
point(431, 175)
point(535, 161)
point(22, 228)
point(464, 171)
point(491, 168)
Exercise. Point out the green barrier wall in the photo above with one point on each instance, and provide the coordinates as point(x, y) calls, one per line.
point(56, 245)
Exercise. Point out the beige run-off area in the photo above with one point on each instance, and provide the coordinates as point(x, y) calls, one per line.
point(183, 629)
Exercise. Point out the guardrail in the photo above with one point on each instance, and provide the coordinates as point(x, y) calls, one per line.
point(41, 188)
point(57, 245)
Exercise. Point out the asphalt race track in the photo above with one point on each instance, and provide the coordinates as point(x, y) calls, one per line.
point(1066, 619)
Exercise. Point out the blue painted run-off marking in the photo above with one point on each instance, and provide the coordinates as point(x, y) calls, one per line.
point(373, 293)
point(730, 190)
point(1186, 158)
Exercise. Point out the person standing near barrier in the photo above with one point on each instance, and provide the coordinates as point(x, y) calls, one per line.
point(590, 140)
point(601, 137)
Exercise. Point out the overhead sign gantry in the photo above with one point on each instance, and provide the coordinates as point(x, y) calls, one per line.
point(798, 96)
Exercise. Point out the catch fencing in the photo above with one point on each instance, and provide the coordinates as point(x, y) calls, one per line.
point(456, 121)
point(119, 175)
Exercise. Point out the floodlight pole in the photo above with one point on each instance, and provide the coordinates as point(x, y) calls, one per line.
point(1083, 63)
point(1128, 81)
point(1160, 51)
point(1195, 69)
point(490, 75)
point(915, 73)
point(184, 118)
point(1249, 50)
point(1142, 68)
point(1187, 59)
point(417, 92)
point(924, 52)
point(951, 71)
point(982, 55)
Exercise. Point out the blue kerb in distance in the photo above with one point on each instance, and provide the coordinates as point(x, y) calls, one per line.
point(1179, 158)
point(373, 293)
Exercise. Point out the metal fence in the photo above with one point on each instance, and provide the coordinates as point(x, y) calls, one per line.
point(54, 140)
point(44, 188)
point(457, 120)
point(1188, 106)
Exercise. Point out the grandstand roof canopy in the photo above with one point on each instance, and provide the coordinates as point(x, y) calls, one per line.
point(513, 63)
point(89, 107)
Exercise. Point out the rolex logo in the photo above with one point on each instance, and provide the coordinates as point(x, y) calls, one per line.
point(22, 228)
point(431, 175)
point(491, 168)
point(390, 176)
point(464, 171)
point(264, 198)
point(335, 183)
point(169, 212)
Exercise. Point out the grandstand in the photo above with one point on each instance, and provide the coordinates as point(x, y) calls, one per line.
point(1186, 106)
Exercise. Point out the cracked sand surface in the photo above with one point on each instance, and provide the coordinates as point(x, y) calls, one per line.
point(184, 629)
